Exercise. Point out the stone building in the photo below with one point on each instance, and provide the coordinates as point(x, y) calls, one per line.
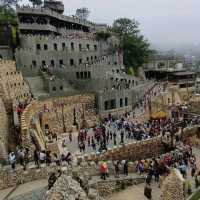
point(64, 55)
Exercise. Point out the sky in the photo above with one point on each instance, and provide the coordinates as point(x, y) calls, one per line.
point(162, 22)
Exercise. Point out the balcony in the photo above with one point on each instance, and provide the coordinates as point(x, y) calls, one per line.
point(37, 27)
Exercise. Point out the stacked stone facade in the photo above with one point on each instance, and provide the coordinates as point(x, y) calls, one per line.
point(35, 118)
point(13, 86)
point(13, 89)
point(4, 131)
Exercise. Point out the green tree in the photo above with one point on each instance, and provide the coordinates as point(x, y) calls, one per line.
point(125, 26)
point(8, 23)
point(136, 49)
point(7, 15)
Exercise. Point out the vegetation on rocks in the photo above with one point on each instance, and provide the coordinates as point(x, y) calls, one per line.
point(196, 196)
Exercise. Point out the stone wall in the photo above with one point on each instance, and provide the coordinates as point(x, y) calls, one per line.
point(107, 187)
point(138, 150)
point(10, 178)
point(65, 186)
point(132, 151)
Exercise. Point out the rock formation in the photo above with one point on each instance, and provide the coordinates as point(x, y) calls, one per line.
point(172, 188)
point(66, 188)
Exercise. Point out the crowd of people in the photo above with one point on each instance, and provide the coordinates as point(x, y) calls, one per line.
point(24, 157)
point(115, 131)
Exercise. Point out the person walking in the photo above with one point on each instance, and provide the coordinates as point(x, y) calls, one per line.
point(116, 166)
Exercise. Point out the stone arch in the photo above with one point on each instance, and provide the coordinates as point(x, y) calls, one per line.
point(41, 20)
point(26, 19)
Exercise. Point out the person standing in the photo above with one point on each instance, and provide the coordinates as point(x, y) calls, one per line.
point(26, 157)
point(126, 168)
point(116, 165)
point(148, 192)
point(70, 136)
point(103, 170)
point(12, 160)
point(21, 155)
point(42, 156)
point(122, 137)
point(93, 144)
point(88, 139)
point(36, 158)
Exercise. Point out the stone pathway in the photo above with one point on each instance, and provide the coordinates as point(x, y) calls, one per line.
point(96, 179)
point(5, 193)
point(136, 192)
point(22, 190)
